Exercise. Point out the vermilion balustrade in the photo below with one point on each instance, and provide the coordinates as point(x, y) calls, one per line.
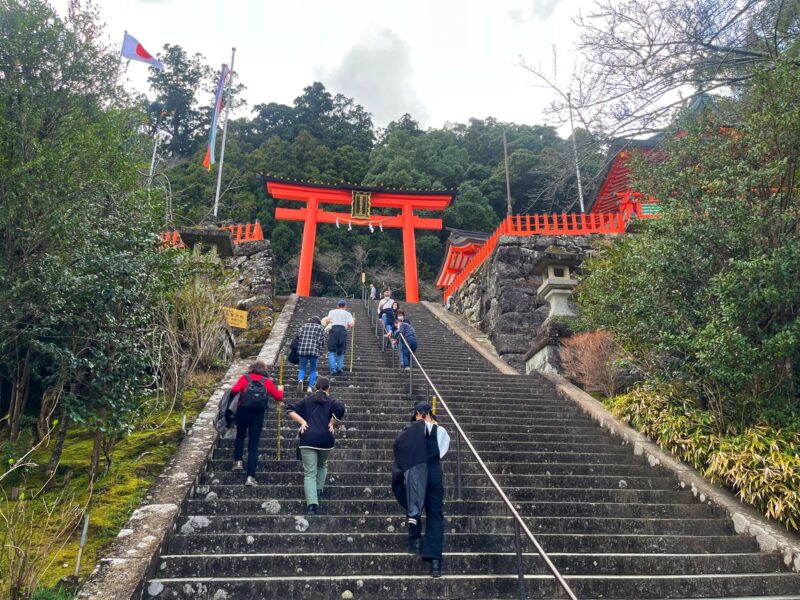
point(563, 224)
point(246, 232)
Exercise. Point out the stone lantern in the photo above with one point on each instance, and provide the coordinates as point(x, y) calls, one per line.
point(557, 268)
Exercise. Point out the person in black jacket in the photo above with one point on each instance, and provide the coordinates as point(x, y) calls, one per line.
point(417, 483)
point(316, 414)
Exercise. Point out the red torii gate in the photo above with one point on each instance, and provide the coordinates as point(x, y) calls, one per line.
point(361, 200)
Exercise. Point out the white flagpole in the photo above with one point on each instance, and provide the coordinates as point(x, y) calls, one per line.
point(224, 134)
point(153, 161)
point(508, 178)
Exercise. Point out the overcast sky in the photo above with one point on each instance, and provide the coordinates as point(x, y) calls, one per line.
point(440, 60)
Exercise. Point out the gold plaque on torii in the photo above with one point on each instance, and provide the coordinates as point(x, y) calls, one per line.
point(360, 206)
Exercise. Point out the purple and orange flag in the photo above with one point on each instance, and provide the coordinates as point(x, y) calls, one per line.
point(212, 135)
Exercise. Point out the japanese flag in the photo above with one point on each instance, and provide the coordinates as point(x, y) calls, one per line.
point(133, 50)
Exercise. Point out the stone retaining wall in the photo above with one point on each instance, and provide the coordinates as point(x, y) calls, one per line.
point(500, 298)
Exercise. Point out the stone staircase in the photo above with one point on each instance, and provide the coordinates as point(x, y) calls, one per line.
point(614, 526)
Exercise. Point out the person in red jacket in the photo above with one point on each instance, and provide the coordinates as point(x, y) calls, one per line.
point(255, 388)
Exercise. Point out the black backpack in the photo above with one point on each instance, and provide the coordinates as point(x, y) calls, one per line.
point(254, 395)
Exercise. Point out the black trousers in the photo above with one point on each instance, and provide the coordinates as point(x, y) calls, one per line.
point(433, 541)
point(249, 422)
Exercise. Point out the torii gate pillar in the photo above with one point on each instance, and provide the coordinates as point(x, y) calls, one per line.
point(361, 200)
point(410, 256)
point(307, 249)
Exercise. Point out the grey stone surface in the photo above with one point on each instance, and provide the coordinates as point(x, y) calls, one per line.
point(253, 291)
point(500, 298)
point(129, 559)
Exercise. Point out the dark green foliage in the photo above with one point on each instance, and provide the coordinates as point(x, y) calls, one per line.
point(80, 269)
point(710, 291)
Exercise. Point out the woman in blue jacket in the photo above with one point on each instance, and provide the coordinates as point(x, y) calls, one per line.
point(316, 414)
point(404, 327)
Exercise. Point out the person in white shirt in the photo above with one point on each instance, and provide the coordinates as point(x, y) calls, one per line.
point(383, 306)
point(340, 320)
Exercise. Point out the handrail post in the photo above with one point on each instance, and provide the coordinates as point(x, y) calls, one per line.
point(458, 466)
point(520, 571)
point(410, 372)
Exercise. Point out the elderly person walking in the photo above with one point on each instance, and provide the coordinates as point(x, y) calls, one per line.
point(316, 414)
point(311, 338)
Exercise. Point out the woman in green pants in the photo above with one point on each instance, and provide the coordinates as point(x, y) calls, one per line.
point(316, 414)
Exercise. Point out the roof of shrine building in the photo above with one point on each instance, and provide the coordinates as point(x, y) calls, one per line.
point(461, 246)
point(615, 176)
point(357, 187)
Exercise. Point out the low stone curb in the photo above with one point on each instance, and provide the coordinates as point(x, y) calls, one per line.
point(129, 560)
point(771, 537)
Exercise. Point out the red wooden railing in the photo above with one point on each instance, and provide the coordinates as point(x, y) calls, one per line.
point(563, 224)
point(242, 232)
point(171, 238)
point(248, 232)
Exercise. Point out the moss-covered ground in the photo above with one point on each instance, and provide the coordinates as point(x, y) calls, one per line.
point(137, 459)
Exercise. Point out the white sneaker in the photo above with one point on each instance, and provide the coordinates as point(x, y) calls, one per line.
point(250, 481)
point(238, 466)
point(310, 390)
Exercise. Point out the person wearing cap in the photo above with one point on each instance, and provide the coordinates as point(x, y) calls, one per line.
point(418, 484)
point(340, 321)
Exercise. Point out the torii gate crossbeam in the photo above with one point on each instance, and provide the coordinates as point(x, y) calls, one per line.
point(315, 195)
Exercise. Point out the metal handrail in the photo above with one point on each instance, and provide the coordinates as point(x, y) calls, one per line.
point(519, 523)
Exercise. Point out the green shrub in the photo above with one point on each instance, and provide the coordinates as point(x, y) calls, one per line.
point(760, 464)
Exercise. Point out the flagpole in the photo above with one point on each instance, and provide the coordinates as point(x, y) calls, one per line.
point(153, 161)
point(508, 179)
point(224, 135)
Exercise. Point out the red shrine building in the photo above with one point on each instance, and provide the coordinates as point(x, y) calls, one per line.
point(397, 210)
point(615, 190)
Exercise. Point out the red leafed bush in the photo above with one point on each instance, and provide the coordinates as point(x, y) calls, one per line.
point(592, 360)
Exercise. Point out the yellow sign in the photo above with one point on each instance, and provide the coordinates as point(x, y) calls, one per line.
point(363, 277)
point(360, 207)
point(235, 318)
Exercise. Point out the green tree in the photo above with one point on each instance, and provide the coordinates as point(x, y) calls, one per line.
point(176, 104)
point(80, 267)
point(710, 291)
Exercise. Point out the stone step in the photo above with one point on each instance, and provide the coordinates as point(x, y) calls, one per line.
point(510, 438)
point(389, 507)
point(338, 465)
point(455, 524)
point(316, 541)
point(490, 456)
point(375, 478)
point(339, 492)
point(512, 449)
point(287, 564)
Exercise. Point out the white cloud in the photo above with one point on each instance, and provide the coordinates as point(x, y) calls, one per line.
point(540, 10)
point(378, 73)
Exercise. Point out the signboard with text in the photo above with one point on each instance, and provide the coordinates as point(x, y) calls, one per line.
point(235, 318)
